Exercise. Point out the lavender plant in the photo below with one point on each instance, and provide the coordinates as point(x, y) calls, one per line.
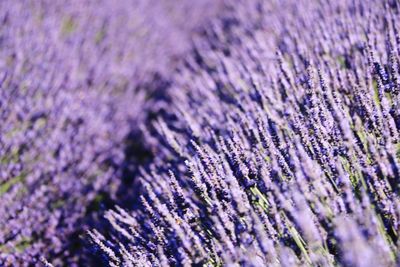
point(71, 91)
point(281, 147)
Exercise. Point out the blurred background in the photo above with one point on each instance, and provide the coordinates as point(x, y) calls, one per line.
point(77, 81)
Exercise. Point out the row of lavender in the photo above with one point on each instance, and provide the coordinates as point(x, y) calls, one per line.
point(69, 97)
point(275, 159)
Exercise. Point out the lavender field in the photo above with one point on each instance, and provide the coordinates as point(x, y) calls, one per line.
point(200, 133)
